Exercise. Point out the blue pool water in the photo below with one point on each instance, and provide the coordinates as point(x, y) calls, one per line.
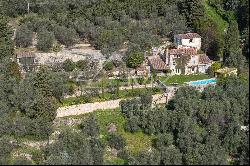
point(203, 82)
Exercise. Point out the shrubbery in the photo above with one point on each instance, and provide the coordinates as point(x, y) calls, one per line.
point(68, 65)
point(65, 36)
point(134, 60)
point(90, 127)
point(108, 65)
point(45, 41)
point(146, 100)
point(24, 36)
point(132, 124)
point(116, 141)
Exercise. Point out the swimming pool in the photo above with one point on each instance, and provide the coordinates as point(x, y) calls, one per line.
point(203, 82)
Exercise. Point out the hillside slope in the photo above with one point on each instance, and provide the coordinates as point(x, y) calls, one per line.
point(213, 15)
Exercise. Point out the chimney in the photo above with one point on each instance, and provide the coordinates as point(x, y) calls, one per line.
point(166, 57)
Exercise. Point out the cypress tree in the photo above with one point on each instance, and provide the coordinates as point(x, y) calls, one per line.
point(232, 51)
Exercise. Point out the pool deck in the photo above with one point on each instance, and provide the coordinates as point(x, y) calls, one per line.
point(210, 83)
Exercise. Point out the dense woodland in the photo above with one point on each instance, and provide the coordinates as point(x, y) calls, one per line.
point(107, 25)
point(194, 128)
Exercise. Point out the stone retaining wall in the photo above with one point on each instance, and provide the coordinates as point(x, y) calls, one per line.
point(90, 107)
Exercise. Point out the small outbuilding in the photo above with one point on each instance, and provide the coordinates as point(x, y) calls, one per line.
point(226, 72)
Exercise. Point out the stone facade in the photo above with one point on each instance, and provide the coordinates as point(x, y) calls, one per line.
point(188, 40)
point(184, 59)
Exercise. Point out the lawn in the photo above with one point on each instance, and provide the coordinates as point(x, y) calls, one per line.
point(181, 79)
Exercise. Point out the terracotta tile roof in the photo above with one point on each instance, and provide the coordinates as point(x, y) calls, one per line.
point(187, 51)
point(157, 64)
point(25, 54)
point(204, 59)
point(189, 35)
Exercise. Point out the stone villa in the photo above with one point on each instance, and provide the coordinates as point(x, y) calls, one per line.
point(184, 59)
point(188, 40)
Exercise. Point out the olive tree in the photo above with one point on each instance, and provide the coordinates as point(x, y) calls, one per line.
point(24, 36)
point(45, 41)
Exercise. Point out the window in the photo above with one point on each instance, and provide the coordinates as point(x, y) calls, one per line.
point(190, 40)
point(177, 70)
point(174, 63)
point(193, 69)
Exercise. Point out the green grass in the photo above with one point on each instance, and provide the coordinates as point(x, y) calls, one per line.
point(213, 15)
point(112, 82)
point(110, 116)
point(181, 79)
point(114, 161)
point(136, 141)
point(37, 154)
point(108, 82)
